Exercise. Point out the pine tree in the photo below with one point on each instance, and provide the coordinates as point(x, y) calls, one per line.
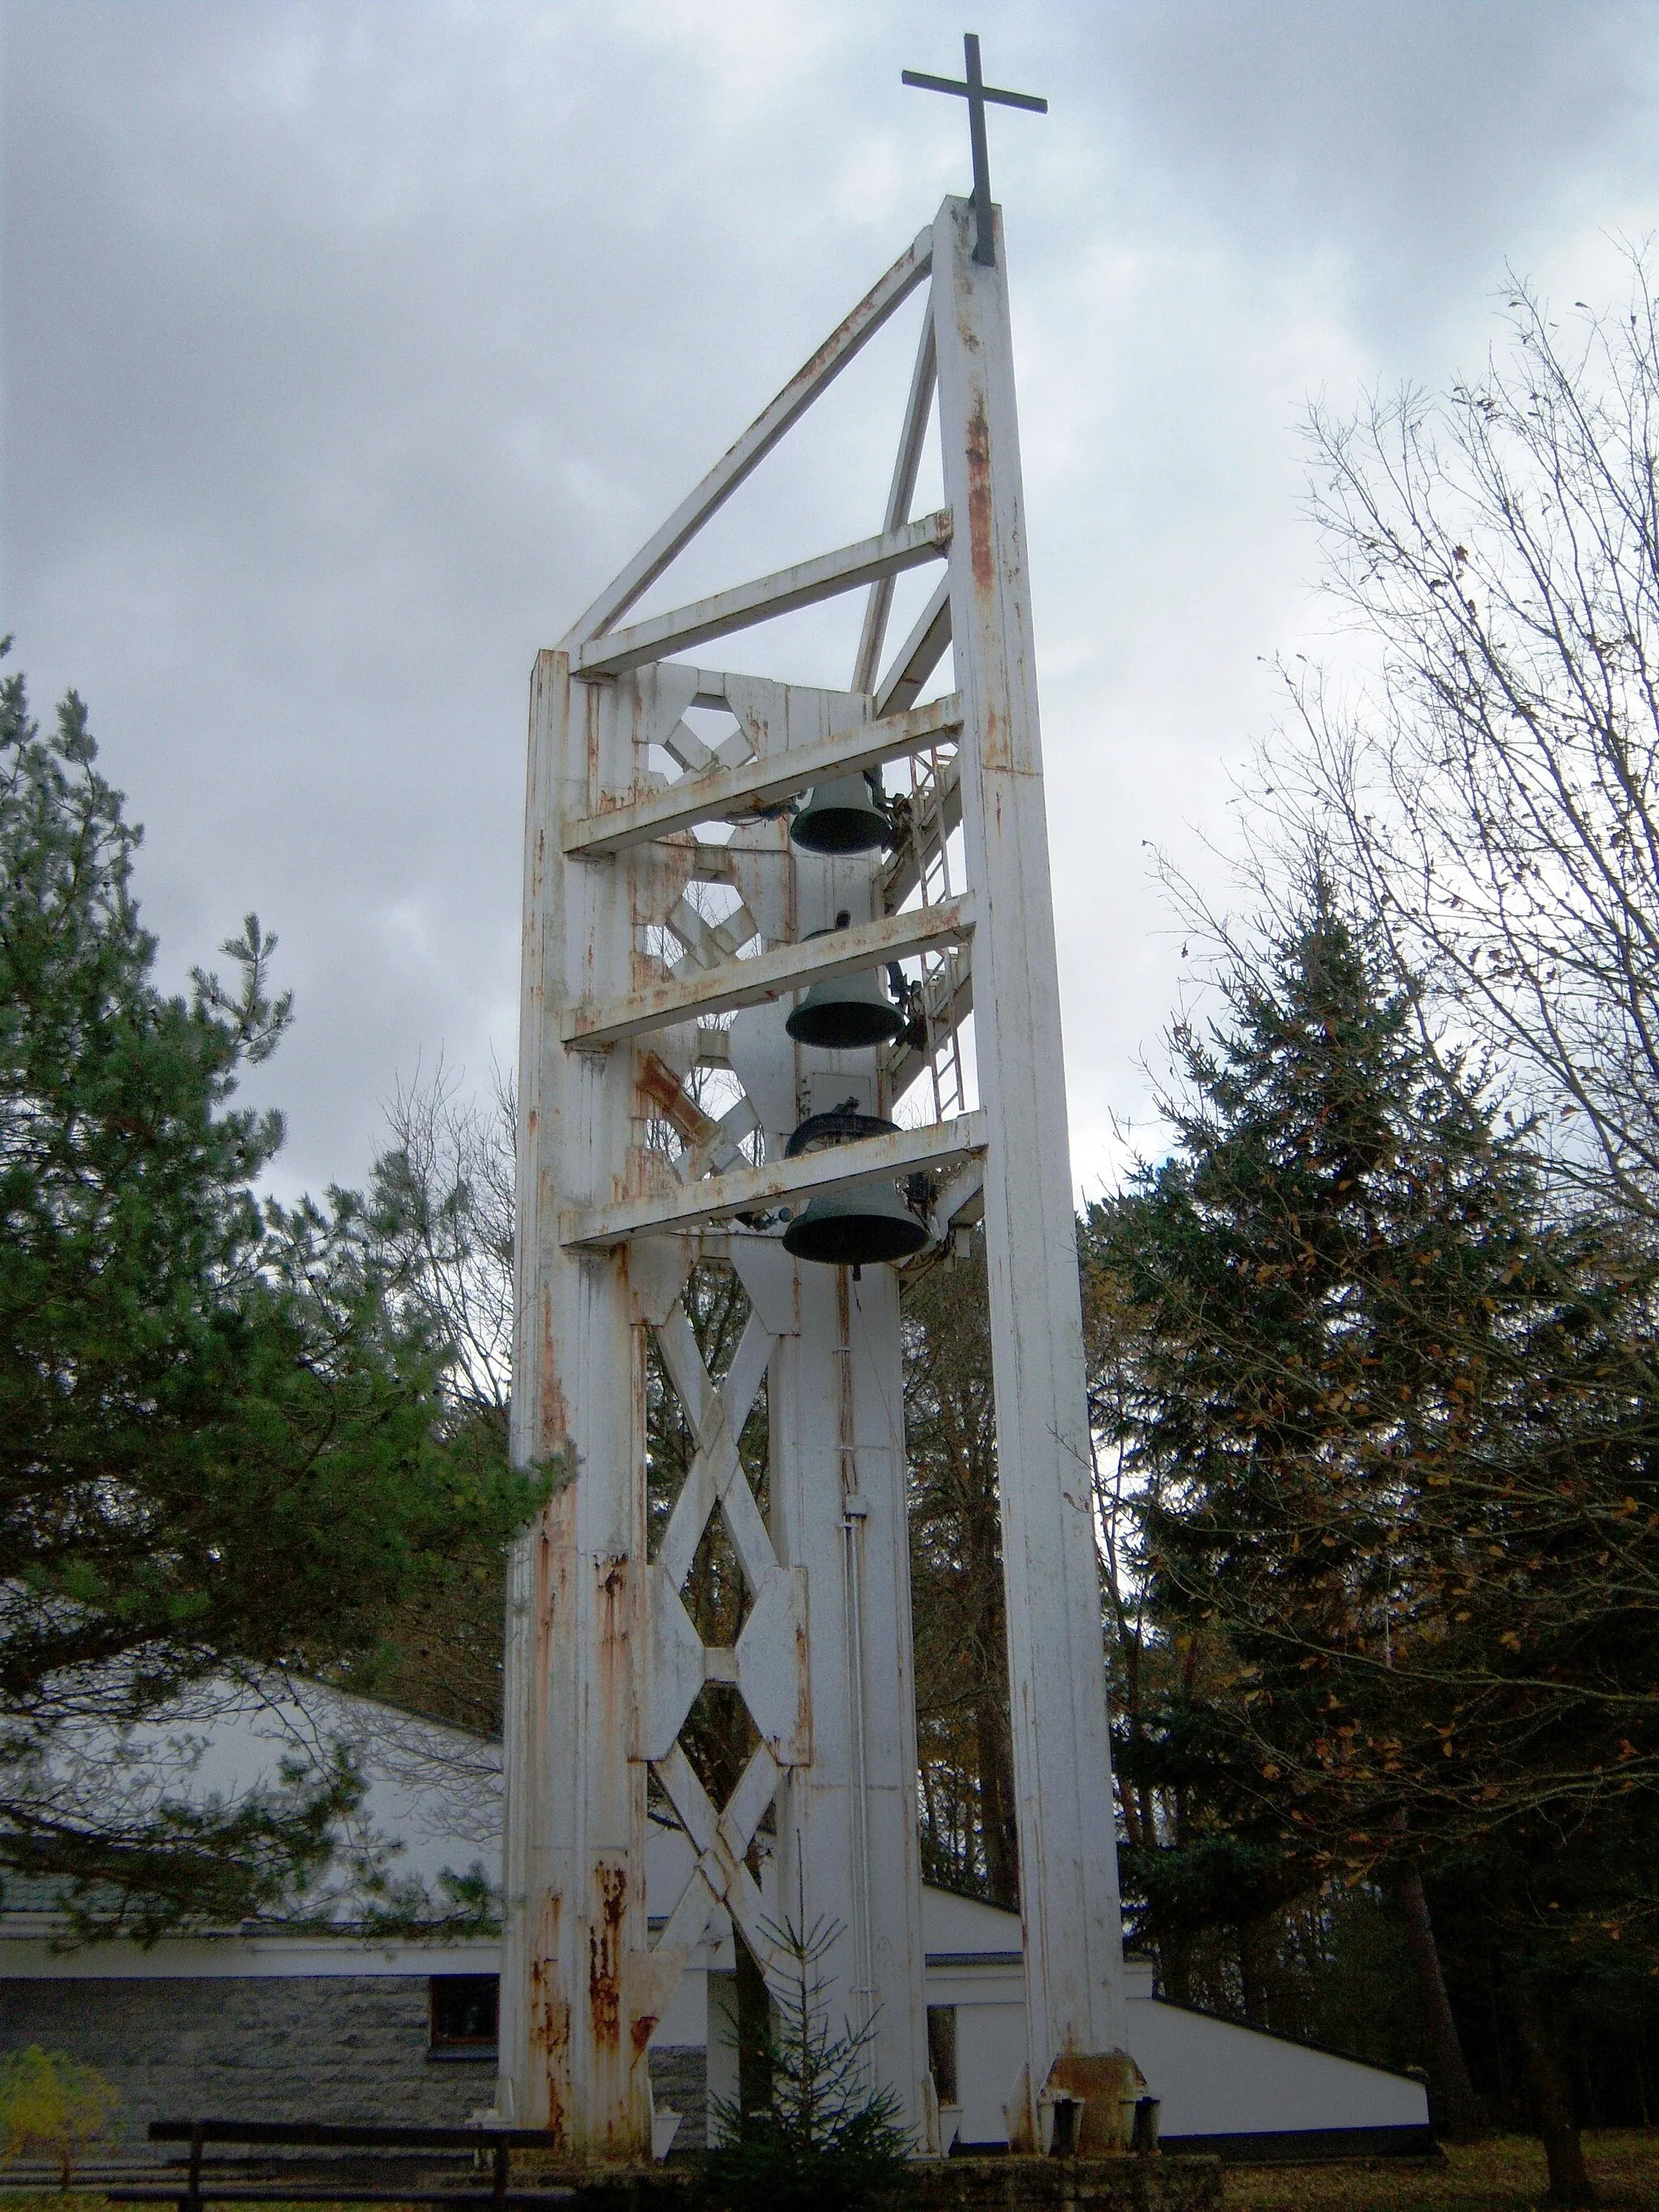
point(968, 1835)
point(825, 2139)
point(219, 1446)
point(1395, 1428)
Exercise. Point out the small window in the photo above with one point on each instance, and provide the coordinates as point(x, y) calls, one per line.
point(942, 2052)
point(464, 2009)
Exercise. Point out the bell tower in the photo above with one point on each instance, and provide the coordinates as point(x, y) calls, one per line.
point(758, 918)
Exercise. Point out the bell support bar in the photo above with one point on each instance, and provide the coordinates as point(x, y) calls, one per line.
point(761, 781)
point(744, 1190)
point(888, 554)
point(767, 974)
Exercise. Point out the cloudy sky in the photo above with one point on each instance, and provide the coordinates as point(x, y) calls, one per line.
point(350, 346)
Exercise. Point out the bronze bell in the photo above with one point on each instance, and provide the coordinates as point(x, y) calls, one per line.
point(846, 1013)
point(856, 1227)
point(841, 815)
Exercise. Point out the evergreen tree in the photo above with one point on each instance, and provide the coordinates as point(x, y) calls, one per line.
point(441, 1225)
point(1395, 1429)
point(219, 1446)
point(825, 2140)
point(967, 1836)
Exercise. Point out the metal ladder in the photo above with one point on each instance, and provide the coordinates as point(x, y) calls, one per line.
point(941, 974)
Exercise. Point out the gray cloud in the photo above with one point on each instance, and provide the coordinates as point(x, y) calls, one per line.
point(348, 348)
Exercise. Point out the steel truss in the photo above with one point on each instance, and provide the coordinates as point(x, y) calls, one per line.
point(657, 1091)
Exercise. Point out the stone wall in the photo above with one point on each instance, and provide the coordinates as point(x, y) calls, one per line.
point(679, 2083)
point(349, 2047)
point(290, 2047)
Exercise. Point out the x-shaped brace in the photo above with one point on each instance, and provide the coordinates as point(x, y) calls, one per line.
point(721, 1876)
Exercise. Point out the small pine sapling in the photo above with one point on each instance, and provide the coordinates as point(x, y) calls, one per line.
point(829, 2139)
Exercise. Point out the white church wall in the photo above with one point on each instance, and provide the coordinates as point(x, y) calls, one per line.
point(1215, 2078)
point(436, 1793)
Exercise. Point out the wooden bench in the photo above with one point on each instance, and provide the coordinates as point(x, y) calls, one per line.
point(193, 2190)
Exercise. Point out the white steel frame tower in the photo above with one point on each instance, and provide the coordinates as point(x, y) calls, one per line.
point(625, 1182)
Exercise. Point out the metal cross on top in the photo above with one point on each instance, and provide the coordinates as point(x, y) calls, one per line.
point(977, 92)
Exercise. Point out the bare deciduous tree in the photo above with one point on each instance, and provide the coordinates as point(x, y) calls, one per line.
point(443, 1200)
point(441, 1214)
point(1491, 785)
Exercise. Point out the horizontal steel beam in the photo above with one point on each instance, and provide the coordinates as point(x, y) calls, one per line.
point(855, 332)
point(767, 974)
point(843, 570)
point(760, 782)
point(753, 1190)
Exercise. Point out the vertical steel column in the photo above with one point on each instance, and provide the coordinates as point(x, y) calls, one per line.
point(574, 1863)
point(847, 1841)
point(1068, 1852)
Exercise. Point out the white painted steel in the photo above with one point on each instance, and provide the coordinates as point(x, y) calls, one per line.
point(921, 653)
point(906, 466)
point(764, 779)
point(848, 1842)
point(604, 1661)
point(844, 343)
point(744, 1190)
point(574, 1950)
point(1062, 1761)
point(767, 975)
point(909, 546)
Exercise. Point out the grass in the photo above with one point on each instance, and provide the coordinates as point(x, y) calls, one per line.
point(1504, 2174)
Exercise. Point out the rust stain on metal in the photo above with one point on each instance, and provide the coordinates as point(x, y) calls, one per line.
point(640, 2034)
point(605, 1957)
point(979, 498)
point(556, 1413)
point(549, 2015)
point(591, 731)
point(992, 746)
point(544, 1582)
point(802, 1694)
point(660, 1087)
point(615, 1674)
point(643, 966)
point(552, 1568)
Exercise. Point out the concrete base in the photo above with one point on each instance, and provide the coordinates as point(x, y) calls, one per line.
point(963, 2184)
point(1080, 2185)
